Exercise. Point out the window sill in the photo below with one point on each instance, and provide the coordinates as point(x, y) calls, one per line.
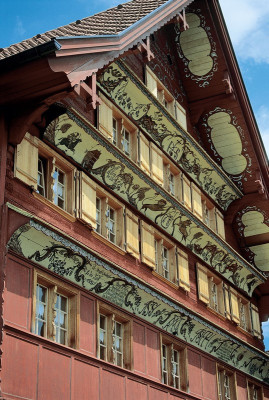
point(244, 331)
point(221, 316)
point(64, 213)
point(162, 278)
point(108, 243)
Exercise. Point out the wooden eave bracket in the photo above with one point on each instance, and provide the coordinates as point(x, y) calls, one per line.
point(259, 184)
point(227, 82)
point(181, 18)
point(145, 48)
point(88, 93)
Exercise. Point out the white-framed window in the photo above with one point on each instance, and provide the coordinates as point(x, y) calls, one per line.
point(41, 177)
point(49, 174)
point(255, 391)
point(59, 187)
point(114, 333)
point(55, 310)
point(98, 215)
point(164, 257)
point(226, 384)
point(211, 290)
point(117, 128)
point(164, 364)
point(117, 343)
point(173, 364)
point(157, 88)
point(111, 224)
point(171, 183)
point(126, 144)
point(61, 318)
point(115, 131)
point(165, 262)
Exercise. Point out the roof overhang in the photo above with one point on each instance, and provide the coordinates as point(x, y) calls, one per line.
point(80, 57)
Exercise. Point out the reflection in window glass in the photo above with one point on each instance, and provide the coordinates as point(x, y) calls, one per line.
point(41, 310)
point(59, 188)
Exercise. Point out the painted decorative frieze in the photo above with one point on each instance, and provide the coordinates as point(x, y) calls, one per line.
point(227, 142)
point(197, 49)
point(130, 95)
point(108, 165)
point(78, 265)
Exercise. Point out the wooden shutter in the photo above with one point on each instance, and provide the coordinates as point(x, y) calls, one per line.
point(151, 82)
point(172, 264)
point(202, 280)
point(120, 231)
point(220, 224)
point(256, 326)
point(197, 201)
point(147, 245)
point(105, 117)
point(132, 239)
point(144, 154)
point(226, 292)
point(87, 198)
point(234, 306)
point(156, 164)
point(26, 160)
point(186, 190)
point(221, 300)
point(183, 270)
point(171, 107)
point(181, 116)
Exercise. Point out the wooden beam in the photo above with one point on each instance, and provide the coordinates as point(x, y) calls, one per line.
point(88, 92)
point(256, 240)
point(142, 47)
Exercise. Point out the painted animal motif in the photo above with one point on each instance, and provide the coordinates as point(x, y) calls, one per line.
point(159, 206)
point(90, 159)
point(71, 141)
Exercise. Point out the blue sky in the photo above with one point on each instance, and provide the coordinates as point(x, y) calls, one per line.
point(247, 22)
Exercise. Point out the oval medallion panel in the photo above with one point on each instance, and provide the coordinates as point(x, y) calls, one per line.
point(227, 142)
point(196, 46)
point(255, 225)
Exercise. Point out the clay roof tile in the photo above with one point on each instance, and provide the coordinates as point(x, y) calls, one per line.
point(107, 22)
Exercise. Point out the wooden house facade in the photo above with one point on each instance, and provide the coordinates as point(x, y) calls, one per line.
point(134, 211)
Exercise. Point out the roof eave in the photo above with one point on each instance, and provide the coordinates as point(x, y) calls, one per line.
point(126, 39)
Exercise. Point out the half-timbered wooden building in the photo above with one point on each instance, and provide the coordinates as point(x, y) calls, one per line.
point(134, 244)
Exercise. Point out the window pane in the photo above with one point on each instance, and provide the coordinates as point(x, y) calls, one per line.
point(41, 177)
point(61, 319)
point(41, 311)
point(59, 188)
point(41, 328)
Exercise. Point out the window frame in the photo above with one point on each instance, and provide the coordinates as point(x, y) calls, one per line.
point(251, 386)
point(220, 369)
point(115, 129)
point(55, 160)
point(173, 345)
point(163, 95)
point(113, 316)
point(161, 243)
point(55, 286)
point(108, 202)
